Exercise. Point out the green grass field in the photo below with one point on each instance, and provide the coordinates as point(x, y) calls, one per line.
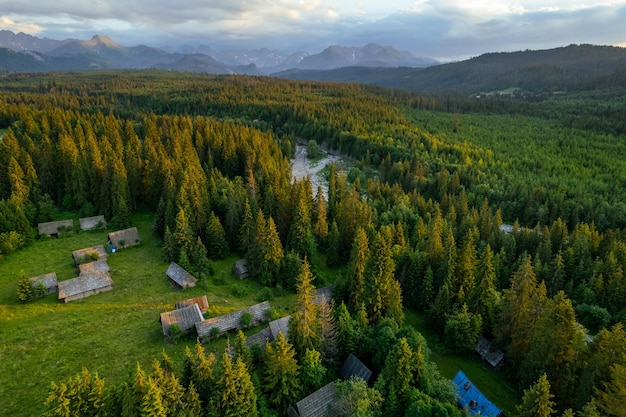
point(47, 340)
point(490, 382)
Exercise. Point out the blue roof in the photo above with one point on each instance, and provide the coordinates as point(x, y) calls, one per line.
point(470, 398)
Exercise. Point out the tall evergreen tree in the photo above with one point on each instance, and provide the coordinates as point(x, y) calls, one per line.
point(537, 400)
point(234, 393)
point(281, 382)
point(217, 245)
point(356, 268)
point(304, 326)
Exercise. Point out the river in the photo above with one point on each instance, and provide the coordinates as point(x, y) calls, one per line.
point(301, 166)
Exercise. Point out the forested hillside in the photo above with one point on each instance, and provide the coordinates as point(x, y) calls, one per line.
point(415, 223)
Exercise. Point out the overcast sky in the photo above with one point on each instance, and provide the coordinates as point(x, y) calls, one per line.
point(441, 29)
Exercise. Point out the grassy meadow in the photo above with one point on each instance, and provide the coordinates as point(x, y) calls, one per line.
point(46, 340)
point(490, 382)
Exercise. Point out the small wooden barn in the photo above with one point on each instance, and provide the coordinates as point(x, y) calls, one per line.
point(185, 318)
point(95, 266)
point(49, 282)
point(92, 223)
point(55, 229)
point(240, 269)
point(280, 325)
point(181, 277)
point(354, 367)
point(493, 356)
point(86, 255)
point(202, 302)
point(124, 238)
point(232, 321)
point(317, 404)
point(84, 286)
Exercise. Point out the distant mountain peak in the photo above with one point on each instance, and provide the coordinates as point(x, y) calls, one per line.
point(101, 40)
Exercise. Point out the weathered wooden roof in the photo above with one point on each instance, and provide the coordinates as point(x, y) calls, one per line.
point(97, 266)
point(124, 238)
point(354, 367)
point(259, 338)
point(317, 404)
point(84, 255)
point(55, 228)
point(240, 268)
point(184, 317)
point(84, 283)
point(202, 302)
point(280, 325)
point(232, 321)
point(483, 347)
point(181, 277)
point(49, 281)
point(324, 293)
point(92, 223)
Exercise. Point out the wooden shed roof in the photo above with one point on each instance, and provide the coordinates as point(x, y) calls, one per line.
point(483, 347)
point(92, 223)
point(84, 255)
point(124, 238)
point(318, 403)
point(55, 228)
point(185, 318)
point(324, 293)
point(240, 268)
point(280, 325)
point(202, 302)
point(354, 367)
point(95, 266)
point(84, 283)
point(232, 321)
point(49, 281)
point(181, 277)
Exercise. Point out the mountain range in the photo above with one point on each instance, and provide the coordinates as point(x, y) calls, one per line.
point(566, 68)
point(22, 52)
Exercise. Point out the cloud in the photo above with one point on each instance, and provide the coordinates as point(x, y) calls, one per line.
point(447, 29)
point(16, 27)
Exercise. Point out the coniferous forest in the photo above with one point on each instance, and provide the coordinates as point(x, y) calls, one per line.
point(503, 217)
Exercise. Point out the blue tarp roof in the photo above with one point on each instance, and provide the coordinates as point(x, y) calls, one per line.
point(472, 399)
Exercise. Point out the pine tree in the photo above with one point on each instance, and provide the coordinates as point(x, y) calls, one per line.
point(537, 400)
point(397, 377)
point(272, 255)
point(356, 268)
point(247, 227)
point(151, 403)
point(25, 290)
point(281, 382)
point(484, 299)
point(382, 291)
point(304, 326)
point(328, 332)
point(312, 371)
point(333, 258)
point(300, 237)
point(346, 332)
point(241, 350)
point(217, 245)
point(320, 228)
point(234, 394)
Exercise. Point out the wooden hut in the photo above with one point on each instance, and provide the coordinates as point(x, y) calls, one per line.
point(55, 229)
point(95, 266)
point(280, 325)
point(493, 356)
point(92, 223)
point(240, 269)
point(124, 238)
point(315, 405)
point(181, 277)
point(232, 321)
point(84, 286)
point(86, 255)
point(49, 282)
point(202, 302)
point(354, 367)
point(185, 318)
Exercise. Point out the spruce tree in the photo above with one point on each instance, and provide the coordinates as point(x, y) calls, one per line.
point(312, 371)
point(217, 245)
point(25, 290)
point(382, 291)
point(304, 326)
point(234, 393)
point(151, 403)
point(320, 228)
point(281, 382)
point(356, 268)
point(537, 400)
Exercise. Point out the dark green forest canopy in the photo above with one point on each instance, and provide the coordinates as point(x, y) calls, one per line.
point(209, 156)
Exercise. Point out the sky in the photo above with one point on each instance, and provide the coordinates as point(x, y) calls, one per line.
point(439, 29)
